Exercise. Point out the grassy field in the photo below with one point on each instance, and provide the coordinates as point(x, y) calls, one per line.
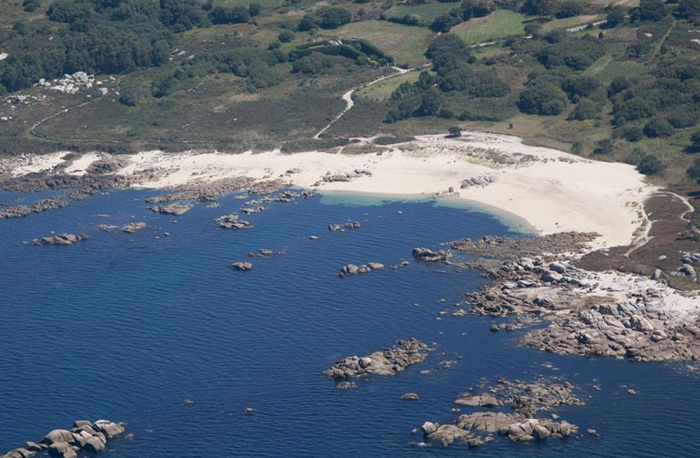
point(383, 89)
point(606, 69)
point(571, 22)
point(407, 45)
point(428, 11)
point(500, 24)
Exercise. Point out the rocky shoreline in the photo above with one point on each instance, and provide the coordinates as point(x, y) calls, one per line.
point(85, 436)
point(585, 313)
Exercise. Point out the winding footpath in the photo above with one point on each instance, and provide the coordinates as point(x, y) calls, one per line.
point(347, 97)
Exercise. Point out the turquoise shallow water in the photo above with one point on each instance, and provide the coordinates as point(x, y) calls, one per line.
point(128, 326)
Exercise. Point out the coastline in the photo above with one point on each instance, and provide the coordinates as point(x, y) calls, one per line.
point(513, 222)
point(551, 190)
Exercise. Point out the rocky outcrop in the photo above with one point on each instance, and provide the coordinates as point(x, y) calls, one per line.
point(479, 180)
point(519, 425)
point(38, 206)
point(347, 225)
point(83, 437)
point(232, 222)
point(388, 361)
point(410, 397)
point(171, 209)
point(241, 266)
point(348, 176)
point(352, 269)
point(265, 252)
point(128, 228)
point(60, 239)
point(428, 255)
point(481, 400)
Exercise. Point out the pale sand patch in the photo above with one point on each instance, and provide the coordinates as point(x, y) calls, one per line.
point(80, 165)
point(551, 190)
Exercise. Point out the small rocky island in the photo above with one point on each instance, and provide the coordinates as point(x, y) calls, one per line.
point(83, 437)
point(521, 424)
point(389, 361)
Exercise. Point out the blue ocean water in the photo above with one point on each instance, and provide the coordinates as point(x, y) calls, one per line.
point(128, 326)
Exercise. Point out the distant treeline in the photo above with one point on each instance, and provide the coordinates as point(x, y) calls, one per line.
point(103, 36)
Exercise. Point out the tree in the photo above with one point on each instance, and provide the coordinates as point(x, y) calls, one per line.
point(570, 9)
point(603, 147)
point(695, 139)
point(254, 9)
point(286, 36)
point(693, 171)
point(615, 17)
point(688, 9)
point(444, 23)
point(632, 134)
point(540, 7)
point(650, 165)
point(448, 51)
point(431, 103)
point(455, 131)
point(542, 99)
point(585, 109)
point(652, 10)
point(684, 116)
point(658, 128)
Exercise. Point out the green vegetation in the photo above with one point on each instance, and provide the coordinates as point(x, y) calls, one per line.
point(239, 74)
point(500, 24)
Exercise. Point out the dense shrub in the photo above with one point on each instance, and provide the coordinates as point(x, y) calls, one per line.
point(585, 109)
point(650, 165)
point(658, 128)
point(542, 99)
point(286, 36)
point(448, 51)
point(684, 116)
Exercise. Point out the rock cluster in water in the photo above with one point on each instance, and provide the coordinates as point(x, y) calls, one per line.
point(352, 269)
point(389, 361)
point(428, 255)
point(171, 209)
point(84, 436)
point(232, 222)
point(519, 425)
point(60, 239)
point(242, 266)
point(128, 228)
point(39, 206)
point(348, 225)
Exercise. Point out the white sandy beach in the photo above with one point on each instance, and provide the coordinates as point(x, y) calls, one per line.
point(551, 190)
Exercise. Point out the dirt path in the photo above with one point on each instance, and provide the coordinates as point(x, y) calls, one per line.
point(347, 97)
point(646, 238)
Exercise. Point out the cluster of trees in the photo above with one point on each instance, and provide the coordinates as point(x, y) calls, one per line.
point(466, 10)
point(110, 36)
point(232, 14)
point(454, 75)
point(325, 18)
